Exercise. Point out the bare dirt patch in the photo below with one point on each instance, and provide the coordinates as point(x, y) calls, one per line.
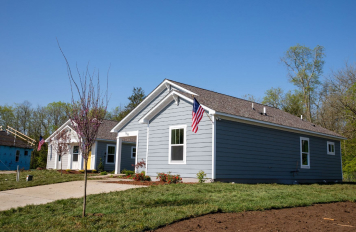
point(321, 217)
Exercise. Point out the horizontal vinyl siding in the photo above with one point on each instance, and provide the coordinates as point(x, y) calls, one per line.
point(199, 147)
point(101, 152)
point(134, 125)
point(250, 152)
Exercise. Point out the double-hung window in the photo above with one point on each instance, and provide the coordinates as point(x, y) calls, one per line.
point(331, 148)
point(304, 152)
point(133, 152)
point(110, 151)
point(75, 153)
point(177, 144)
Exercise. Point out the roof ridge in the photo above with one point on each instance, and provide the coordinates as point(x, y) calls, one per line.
point(222, 94)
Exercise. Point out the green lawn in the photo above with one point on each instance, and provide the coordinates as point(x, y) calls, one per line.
point(149, 208)
point(40, 177)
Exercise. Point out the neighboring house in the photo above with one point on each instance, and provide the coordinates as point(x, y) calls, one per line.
point(245, 142)
point(13, 152)
point(104, 148)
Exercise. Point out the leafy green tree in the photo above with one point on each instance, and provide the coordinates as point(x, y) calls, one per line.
point(305, 65)
point(293, 103)
point(135, 99)
point(6, 116)
point(274, 98)
point(289, 102)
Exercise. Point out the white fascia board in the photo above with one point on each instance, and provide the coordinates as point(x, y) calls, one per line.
point(276, 126)
point(146, 101)
point(181, 88)
point(168, 99)
point(58, 130)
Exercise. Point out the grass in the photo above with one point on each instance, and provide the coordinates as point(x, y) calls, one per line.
point(155, 206)
point(40, 177)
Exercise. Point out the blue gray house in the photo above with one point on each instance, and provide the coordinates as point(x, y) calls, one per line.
point(103, 150)
point(14, 152)
point(242, 141)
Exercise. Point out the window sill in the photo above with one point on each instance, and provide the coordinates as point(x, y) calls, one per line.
point(172, 162)
point(331, 153)
point(305, 167)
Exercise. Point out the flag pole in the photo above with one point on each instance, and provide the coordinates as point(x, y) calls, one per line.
point(205, 112)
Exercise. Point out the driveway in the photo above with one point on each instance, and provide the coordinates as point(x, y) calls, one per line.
point(47, 193)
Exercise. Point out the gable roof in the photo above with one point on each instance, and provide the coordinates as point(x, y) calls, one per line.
point(103, 132)
point(224, 104)
point(8, 140)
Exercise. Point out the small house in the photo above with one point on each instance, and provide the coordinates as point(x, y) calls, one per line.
point(237, 140)
point(103, 150)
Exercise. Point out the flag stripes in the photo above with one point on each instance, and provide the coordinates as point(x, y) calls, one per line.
point(197, 115)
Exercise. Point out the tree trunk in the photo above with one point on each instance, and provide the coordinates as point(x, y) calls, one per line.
point(61, 166)
point(85, 187)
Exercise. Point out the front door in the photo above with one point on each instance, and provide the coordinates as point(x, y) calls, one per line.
point(89, 161)
point(75, 157)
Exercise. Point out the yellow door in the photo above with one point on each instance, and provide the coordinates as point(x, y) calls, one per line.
point(89, 159)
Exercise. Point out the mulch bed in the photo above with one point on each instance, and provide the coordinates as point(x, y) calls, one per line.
point(147, 183)
point(321, 217)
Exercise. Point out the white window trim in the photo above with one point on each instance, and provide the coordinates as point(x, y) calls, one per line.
point(107, 153)
point(75, 153)
point(184, 147)
point(132, 152)
point(301, 153)
point(327, 148)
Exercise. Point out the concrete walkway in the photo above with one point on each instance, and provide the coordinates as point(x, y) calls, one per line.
point(47, 193)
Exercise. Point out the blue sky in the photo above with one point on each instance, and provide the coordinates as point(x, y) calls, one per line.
point(232, 47)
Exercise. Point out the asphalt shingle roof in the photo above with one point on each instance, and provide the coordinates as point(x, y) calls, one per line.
point(104, 132)
point(243, 108)
point(8, 140)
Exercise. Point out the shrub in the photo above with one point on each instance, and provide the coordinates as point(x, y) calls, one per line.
point(127, 172)
point(67, 170)
point(81, 171)
point(141, 177)
point(168, 178)
point(101, 165)
point(112, 172)
point(201, 175)
point(94, 171)
point(39, 168)
point(103, 173)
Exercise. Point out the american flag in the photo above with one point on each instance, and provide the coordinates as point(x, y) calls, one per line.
point(40, 143)
point(198, 112)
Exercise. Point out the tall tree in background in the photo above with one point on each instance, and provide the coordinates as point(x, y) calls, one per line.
point(86, 113)
point(304, 66)
point(7, 116)
point(273, 98)
point(289, 102)
point(134, 100)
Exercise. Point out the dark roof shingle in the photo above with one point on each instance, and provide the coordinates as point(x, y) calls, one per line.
point(243, 108)
point(10, 141)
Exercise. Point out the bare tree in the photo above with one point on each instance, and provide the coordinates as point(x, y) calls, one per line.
point(86, 113)
point(60, 142)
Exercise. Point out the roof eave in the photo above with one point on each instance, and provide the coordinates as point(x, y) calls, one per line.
point(277, 126)
point(165, 84)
